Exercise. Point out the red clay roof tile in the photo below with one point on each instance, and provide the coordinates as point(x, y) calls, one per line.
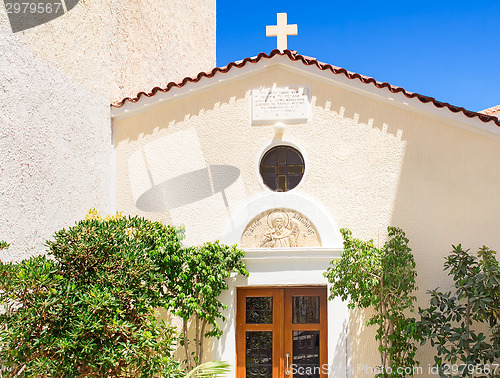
point(492, 110)
point(308, 61)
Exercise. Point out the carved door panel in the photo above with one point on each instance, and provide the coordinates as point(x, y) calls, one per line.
point(281, 332)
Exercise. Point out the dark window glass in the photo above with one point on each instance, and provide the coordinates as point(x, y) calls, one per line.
point(306, 353)
point(305, 310)
point(282, 168)
point(259, 354)
point(259, 310)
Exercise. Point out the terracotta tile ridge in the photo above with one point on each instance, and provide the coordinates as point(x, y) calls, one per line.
point(394, 89)
point(308, 61)
point(170, 85)
point(492, 110)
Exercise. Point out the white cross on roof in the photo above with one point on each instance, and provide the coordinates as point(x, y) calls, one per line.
point(281, 31)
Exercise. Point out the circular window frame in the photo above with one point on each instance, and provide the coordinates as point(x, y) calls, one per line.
point(279, 143)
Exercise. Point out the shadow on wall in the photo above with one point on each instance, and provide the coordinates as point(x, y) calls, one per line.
point(447, 194)
point(363, 347)
point(199, 105)
point(171, 175)
point(363, 111)
point(340, 352)
point(188, 188)
point(179, 350)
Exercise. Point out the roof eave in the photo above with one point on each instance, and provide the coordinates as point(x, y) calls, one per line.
point(460, 117)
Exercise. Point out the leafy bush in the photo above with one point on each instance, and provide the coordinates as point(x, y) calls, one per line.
point(196, 287)
point(450, 319)
point(383, 279)
point(88, 309)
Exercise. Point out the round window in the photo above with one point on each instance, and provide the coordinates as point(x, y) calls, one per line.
point(282, 168)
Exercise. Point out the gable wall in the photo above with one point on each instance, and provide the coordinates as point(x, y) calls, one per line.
point(369, 163)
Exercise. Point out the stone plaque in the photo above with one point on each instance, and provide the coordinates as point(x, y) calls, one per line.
point(271, 105)
point(280, 228)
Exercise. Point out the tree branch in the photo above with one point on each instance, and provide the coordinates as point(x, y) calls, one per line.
point(203, 325)
point(186, 344)
point(371, 274)
point(197, 341)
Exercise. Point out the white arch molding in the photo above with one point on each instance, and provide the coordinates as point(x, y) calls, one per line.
point(282, 267)
point(316, 213)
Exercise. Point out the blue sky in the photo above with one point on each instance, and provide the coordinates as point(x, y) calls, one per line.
point(448, 50)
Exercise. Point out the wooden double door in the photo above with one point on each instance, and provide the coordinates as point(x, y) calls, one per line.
point(281, 332)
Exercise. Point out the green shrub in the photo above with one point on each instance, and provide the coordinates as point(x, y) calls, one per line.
point(196, 286)
point(450, 322)
point(89, 307)
point(384, 280)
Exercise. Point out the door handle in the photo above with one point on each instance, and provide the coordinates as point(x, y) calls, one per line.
point(287, 355)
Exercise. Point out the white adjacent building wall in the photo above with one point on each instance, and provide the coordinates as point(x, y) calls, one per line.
point(56, 83)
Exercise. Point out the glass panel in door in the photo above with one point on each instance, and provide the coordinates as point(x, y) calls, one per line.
point(306, 353)
point(259, 354)
point(259, 332)
point(305, 332)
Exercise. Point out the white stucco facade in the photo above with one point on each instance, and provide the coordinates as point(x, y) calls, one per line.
point(56, 83)
point(373, 159)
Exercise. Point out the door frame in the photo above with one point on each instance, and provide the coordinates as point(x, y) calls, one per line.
point(282, 326)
